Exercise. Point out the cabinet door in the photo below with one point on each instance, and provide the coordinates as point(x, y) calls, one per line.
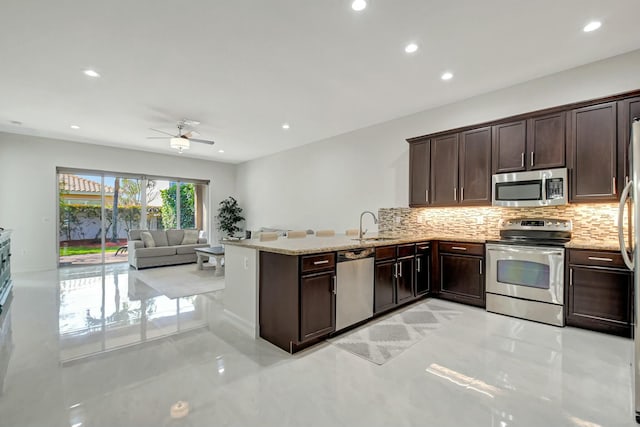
point(600, 299)
point(462, 279)
point(475, 167)
point(384, 283)
point(444, 170)
point(509, 145)
point(593, 144)
point(419, 167)
point(628, 109)
point(546, 141)
point(317, 305)
point(423, 276)
point(404, 282)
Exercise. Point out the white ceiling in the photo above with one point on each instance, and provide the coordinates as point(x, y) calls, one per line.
point(244, 67)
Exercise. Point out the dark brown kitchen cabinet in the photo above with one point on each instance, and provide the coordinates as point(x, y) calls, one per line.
point(535, 143)
point(394, 277)
point(296, 298)
point(461, 267)
point(509, 146)
point(628, 109)
point(475, 167)
point(419, 170)
point(593, 153)
point(423, 268)
point(600, 292)
point(444, 170)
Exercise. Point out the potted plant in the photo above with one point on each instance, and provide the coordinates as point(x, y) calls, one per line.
point(229, 215)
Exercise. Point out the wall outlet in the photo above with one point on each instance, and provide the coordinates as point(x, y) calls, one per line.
point(479, 219)
point(245, 263)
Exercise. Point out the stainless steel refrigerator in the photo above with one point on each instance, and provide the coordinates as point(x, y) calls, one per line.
point(631, 194)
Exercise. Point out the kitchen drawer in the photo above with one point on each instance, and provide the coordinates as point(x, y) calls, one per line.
point(385, 252)
point(406, 250)
point(318, 262)
point(423, 246)
point(461, 248)
point(596, 258)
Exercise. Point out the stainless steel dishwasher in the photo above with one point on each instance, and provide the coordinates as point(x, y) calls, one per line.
point(354, 287)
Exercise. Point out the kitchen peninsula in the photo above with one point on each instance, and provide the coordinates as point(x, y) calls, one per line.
point(285, 290)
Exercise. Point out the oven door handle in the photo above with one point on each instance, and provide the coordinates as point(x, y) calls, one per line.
point(526, 251)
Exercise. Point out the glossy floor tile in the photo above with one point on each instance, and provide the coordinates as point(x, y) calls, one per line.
point(80, 348)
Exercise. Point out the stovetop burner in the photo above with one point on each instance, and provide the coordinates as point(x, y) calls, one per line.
point(535, 232)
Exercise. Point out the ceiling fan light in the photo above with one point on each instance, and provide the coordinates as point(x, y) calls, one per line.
point(180, 144)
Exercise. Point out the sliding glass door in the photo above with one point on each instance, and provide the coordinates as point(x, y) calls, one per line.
point(97, 211)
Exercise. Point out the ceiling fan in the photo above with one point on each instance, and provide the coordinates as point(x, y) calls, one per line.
point(182, 140)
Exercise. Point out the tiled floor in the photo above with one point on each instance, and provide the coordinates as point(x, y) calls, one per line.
point(478, 369)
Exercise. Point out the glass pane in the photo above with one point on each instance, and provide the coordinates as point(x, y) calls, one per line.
point(524, 273)
point(187, 206)
point(166, 205)
point(80, 219)
point(122, 213)
point(526, 190)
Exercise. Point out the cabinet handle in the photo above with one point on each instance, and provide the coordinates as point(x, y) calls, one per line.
point(395, 270)
point(522, 159)
point(613, 186)
point(400, 265)
point(423, 248)
point(532, 158)
point(480, 267)
point(455, 193)
point(597, 258)
point(426, 196)
point(335, 285)
point(461, 194)
point(418, 264)
point(571, 277)
point(460, 248)
point(326, 261)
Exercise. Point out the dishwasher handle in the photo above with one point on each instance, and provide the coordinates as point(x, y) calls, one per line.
point(355, 254)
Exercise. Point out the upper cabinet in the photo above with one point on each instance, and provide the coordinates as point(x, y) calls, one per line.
point(530, 144)
point(593, 146)
point(444, 170)
point(419, 158)
point(475, 167)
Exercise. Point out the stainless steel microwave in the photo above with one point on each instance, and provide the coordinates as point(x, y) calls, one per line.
point(535, 188)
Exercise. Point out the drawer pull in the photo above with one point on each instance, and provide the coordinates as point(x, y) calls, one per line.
point(460, 248)
point(423, 248)
point(597, 258)
point(326, 261)
point(571, 277)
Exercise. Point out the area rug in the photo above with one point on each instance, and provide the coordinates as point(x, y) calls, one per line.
point(181, 281)
point(388, 337)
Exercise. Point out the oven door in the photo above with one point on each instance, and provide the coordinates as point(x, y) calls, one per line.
point(528, 272)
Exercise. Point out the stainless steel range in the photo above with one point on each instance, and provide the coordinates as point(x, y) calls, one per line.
point(525, 269)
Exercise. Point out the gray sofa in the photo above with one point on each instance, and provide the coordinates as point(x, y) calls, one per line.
point(167, 248)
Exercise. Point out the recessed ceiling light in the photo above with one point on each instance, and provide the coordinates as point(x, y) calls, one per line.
point(285, 126)
point(446, 76)
point(411, 48)
point(592, 26)
point(358, 5)
point(92, 73)
point(220, 151)
point(74, 127)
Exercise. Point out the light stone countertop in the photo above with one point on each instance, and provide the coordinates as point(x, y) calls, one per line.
point(601, 245)
point(313, 244)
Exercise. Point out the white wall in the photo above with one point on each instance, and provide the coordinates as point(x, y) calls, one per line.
point(328, 183)
point(28, 187)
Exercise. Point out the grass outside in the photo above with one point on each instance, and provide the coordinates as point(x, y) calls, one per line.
point(84, 250)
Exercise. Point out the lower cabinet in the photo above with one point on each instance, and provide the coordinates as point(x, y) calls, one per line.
point(297, 298)
point(462, 272)
point(599, 295)
point(397, 276)
point(423, 268)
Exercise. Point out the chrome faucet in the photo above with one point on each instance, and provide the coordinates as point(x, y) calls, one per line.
point(375, 221)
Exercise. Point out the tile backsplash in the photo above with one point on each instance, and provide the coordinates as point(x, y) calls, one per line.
point(590, 221)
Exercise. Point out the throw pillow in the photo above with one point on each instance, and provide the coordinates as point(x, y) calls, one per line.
point(190, 237)
point(147, 239)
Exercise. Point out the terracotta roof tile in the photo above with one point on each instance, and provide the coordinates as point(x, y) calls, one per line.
point(76, 184)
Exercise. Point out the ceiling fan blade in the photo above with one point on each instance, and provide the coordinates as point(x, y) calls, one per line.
point(203, 141)
point(161, 131)
point(158, 137)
